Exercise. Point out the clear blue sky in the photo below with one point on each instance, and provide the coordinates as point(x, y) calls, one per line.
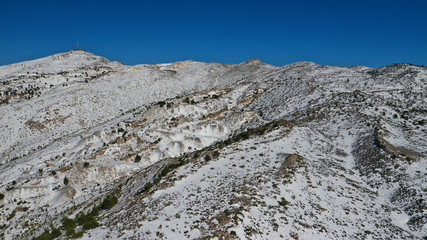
point(372, 33)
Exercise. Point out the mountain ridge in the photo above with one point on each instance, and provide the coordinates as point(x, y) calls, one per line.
point(232, 151)
point(88, 53)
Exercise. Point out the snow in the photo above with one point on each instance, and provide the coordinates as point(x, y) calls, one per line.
point(361, 173)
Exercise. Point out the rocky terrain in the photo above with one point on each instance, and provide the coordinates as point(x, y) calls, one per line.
point(95, 149)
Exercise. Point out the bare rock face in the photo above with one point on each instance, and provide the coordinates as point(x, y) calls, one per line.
point(66, 193)
point(188, 150)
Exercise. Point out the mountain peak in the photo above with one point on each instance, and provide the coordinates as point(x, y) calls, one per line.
point(303, 64)
point(254, 61)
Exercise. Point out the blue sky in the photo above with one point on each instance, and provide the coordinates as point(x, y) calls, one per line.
point(372, 33)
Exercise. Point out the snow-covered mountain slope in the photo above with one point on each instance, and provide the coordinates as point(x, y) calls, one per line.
point(208, 150)
point(79, 90)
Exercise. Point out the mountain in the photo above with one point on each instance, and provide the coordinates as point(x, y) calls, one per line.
point(96, 149)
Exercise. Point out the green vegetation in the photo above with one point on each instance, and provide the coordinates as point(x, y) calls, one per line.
point(66, 181)
point(44, 236)
point(215, 154)
point(161, 103)
point(138, 158)
point(70, 232)
point(90, 224)
point(85, 164)
point(82, 219)
point(1, 196)
point(284, 203)
point(257, 131)
point(87, 221)
point(77, 235)
point(55, 232)
point(164, 172)
point(49, 235)
point(12, 215)
point(69, 225)
point(169, 168)
point(146, 188)
point(109, 202)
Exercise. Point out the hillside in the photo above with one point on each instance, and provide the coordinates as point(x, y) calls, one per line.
point(192, 150)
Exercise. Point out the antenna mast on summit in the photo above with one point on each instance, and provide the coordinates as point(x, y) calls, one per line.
point(77, 45)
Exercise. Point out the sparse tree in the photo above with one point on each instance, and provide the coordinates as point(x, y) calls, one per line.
point(66, 181)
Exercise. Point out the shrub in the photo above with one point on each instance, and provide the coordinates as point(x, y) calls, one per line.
point(109, 202)
point(95, 211)
point(44, 236)
point(208, 158)
point(85, 164)
point(66, 181)
point(137, 158)
point(92, 223)
point(87, 221)
point(227, 212)
point(1, 196)
point(215, 154)
point(171, 167)
point(70, 231)
point(161, 103)
point(245, 135)
point(284, 203)
point(78, 235)
point(237, 138)
point(147, 187)
point(81, 218)
point(261, 131)
point(68, 223)
point(55, 232)
point(12, 215)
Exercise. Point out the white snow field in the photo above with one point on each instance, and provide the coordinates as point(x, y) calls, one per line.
point(95, 149)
